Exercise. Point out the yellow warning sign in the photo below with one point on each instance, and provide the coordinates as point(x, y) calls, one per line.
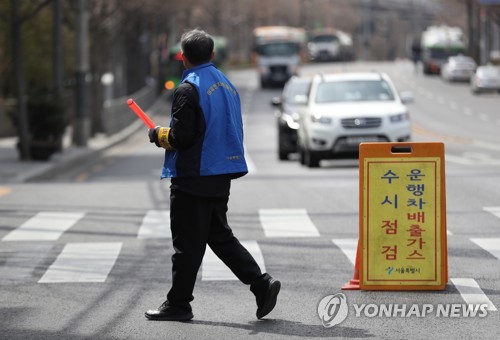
point(403, 220)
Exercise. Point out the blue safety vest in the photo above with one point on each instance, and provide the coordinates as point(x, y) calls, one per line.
point(219, 148)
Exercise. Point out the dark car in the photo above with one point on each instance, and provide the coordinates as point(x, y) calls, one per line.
point(293, 97)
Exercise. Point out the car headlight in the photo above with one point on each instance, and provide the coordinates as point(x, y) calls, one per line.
point(315, 118)
point(400, 117)
point(290, 121)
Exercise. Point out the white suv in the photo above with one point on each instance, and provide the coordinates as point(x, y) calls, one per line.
point(347, 109)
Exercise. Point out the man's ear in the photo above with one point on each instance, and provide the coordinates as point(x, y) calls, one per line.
point(212, 56)
point(185, 61)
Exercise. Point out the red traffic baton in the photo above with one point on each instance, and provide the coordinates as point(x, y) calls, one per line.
point(141, 114)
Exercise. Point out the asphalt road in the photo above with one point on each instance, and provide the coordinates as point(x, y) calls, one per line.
point(103, 257)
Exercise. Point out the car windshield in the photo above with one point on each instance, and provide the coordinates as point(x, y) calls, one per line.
point(296, 92)
point(353, 91)
point(278, 49)
point(324, 38)
point(489, 72)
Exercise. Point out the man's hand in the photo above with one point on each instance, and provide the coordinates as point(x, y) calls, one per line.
point(153, 136)
point(159, 136)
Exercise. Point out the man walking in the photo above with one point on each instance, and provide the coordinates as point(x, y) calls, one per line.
point(204, 152)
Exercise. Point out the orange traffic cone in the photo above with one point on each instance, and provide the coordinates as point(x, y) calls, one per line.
point(353, 283)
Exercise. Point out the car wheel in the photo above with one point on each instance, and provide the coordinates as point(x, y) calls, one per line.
point(302, 156)
point(282, 154)
point(311, 159)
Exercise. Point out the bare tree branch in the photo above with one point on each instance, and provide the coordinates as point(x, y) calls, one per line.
point(35, 11)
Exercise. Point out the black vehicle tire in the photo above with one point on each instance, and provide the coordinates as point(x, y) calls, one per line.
point(311, 159)
point(282, 154)
point(302, 158)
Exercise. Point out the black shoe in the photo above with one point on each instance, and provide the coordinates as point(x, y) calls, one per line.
point(168, 312)
point(266, 294)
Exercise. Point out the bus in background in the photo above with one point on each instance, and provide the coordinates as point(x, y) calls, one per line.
point(437, 44)
point(278, 52)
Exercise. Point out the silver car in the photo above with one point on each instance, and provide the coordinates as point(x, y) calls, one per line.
point(458, 68)
point(486, 78)
point(346, 109)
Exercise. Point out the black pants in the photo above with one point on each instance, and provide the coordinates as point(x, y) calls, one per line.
point(195, 222)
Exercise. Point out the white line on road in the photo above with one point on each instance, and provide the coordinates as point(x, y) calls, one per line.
point(213, 269)
point(459, 160)
point(491, 245)
point(349, 247)
point(468, 111)
point(252, 169)
point(83, 262)
point(484, 117)
point(44, 226)
point(486, 145)
point(472, 293)
point(493, 210)
point(155, 224)
point(287, 223)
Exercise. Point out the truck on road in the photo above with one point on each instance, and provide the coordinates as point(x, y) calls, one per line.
point(438, 43)
point(278, 52)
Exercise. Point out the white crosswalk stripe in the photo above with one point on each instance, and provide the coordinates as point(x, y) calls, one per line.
point(348, 246)
point(155, 224)
point(44, 226)
point(471, 292)
point(83, 262)
point(491, 245)
point(287, 223)
point(493, 210)
point(213, 269)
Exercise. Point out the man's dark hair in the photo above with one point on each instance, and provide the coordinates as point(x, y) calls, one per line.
point(197, 45)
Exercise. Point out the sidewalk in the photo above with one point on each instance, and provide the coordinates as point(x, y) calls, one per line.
point(14, 170)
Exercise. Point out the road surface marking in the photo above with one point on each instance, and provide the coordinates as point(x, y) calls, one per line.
point(213, 269)
point(349, 247)
point(491, 245)
point(83, 262)
point(20, 262)
point(287, 223)
point(44, 226)
point(252, 169)
point(484, 117)
point(156, 224)
point(4, 191)
point(493, 210)
point(472, 293)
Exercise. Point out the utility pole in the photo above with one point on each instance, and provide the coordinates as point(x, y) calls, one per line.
point(22, 122)
point(82, 123)
point(57, 57)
